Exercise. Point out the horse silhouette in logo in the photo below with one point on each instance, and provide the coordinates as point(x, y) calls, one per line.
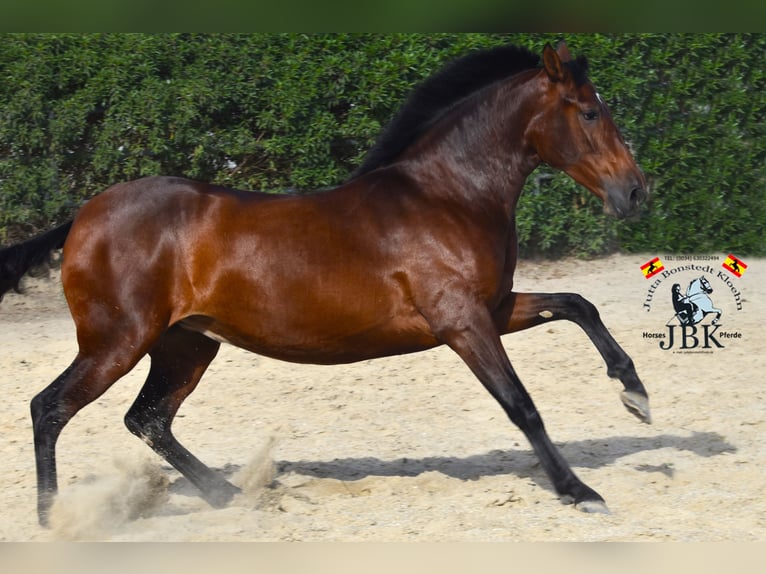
point(692, 307)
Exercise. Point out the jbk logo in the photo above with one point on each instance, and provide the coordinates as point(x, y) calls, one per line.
point(696, 323)
point(690, 308)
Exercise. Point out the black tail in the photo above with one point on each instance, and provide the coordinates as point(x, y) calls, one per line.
point(17, 260)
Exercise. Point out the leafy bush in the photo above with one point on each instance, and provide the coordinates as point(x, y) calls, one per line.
point(276, 111)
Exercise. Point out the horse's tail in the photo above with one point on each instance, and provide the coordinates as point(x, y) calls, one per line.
point(17, 260)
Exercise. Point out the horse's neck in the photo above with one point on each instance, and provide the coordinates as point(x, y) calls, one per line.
point(477, 153)
point(695, 288)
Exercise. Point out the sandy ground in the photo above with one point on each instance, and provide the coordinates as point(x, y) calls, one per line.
point(412, 448)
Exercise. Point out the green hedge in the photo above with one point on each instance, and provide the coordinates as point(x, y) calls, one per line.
point(276, 111)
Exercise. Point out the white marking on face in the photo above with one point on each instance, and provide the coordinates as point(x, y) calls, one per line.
point(599, 98)
point(545, 314)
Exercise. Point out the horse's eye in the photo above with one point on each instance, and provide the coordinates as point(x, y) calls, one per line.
point(590, 115)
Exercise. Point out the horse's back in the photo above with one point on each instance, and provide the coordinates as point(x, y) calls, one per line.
point(155, 201)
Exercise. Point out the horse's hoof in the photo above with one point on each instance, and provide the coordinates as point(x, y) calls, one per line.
point(221, 495)
point(44, 520)
point(593, 507)
point(637, 405)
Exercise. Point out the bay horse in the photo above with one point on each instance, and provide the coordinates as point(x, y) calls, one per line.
point(416, 249)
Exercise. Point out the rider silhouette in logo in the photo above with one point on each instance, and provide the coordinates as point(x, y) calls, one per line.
point(684, 309)
point(692, 307)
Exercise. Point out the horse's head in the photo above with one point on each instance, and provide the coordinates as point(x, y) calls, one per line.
point(573, 131)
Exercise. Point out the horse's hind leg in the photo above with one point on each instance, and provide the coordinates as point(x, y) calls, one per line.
point(179, 360)
point(523, 310)
point(83, 382)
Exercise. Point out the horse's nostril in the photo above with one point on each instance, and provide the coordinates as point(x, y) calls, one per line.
point(637, 196)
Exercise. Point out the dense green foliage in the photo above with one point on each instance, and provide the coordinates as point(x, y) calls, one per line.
point(273, 111)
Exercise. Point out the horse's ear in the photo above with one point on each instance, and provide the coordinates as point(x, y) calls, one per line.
point(563, 52)
point(553, 64)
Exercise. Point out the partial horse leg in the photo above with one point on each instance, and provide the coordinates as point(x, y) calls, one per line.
point(480, 347)
point(523, 310)
point(179, 360)
point(83, 382)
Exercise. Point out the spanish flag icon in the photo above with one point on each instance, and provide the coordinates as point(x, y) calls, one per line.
point(651, 268)
point(735, 265)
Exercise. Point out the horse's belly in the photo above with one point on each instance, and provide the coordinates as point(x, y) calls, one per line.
point(328, 343)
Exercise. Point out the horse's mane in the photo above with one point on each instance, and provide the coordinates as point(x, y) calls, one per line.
point(442, 91)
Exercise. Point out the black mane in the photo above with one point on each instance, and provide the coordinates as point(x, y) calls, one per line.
point(439, 93)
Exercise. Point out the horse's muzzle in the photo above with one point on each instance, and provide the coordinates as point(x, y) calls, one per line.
point(623, 203)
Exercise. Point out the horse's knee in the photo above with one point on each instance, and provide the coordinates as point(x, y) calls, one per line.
point(577, 308)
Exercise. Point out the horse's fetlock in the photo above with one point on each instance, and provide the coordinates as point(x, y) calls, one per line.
point(615, 371)
point(621, 368)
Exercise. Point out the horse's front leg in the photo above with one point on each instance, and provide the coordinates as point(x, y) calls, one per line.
point(475, 340)
point(520, 311)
